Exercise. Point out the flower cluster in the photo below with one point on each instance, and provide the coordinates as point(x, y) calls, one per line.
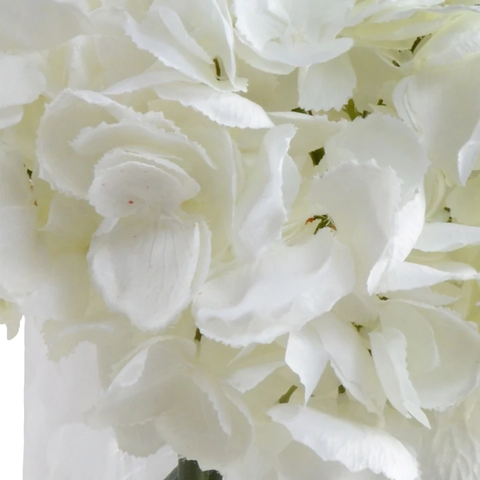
point(262, 217)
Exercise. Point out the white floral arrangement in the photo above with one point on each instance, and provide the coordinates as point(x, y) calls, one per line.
point(246, 234)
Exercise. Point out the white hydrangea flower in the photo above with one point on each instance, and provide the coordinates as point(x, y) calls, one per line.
point(449, 96)
point(182, 406)
point(195, 39)
point(246, 231)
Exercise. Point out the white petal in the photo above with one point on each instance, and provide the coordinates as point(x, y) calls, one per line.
point(10, 116)
point(455, 40)
point(430, 100)
point(468, 154)
point(306, 54)
point(260, 212)
point(64, 453)
point(409, 223)
point(21, 80)
point(198, 416)
point(126, 182)
point(247, 378)
point(20, 28)
point(458, 372)
point(445, 237)
point(389, 142)
point(64, 289)
point(204, 258)
point(145, 80)
point(313, 131)
point(141, 134)
point(298, 459)
point(139, 440)
point(406, 275)
point(291, 182)
point(100, 328)
point(58, 438)
point(78, 128)
point(174, 25)
point(389, 351)
point(375, 77)
point(355, 445)
point(277, 294)
point(131, 381)
point(215, 34)
point(10, 316)
point(452, 448)
point(71, 224)
point(64, 118)
point(326, 85)
point(144, 267)
point(166, 33)
point(422, 350)
point(306, 356)
point(350, 360)
point(153, 36)
point(14, 183)
point(254, 59)
point(361, 199)
point(23, 257)
point(225, 108)
point(463, 202)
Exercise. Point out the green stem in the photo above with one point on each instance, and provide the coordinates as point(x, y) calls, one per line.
point(189, 470)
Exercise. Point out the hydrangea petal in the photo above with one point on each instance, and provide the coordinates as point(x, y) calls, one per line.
point(298, 459)
point(355, 445)
point(140, 440)
point(307, 357)
point(166, 33)
point(407, 275)
point(361, 199)
point(144, 267)
point(225, 108)
point(23, 255)
point(443, 106)
point(350, 360)
point(326, 85)
point(21, 80)
point(445, 237)
point(59, 164)
point(197, 415)
point(422, 350)
point(389, 351)
point(278, 293)
point(20, 28)
point(388, 141)
point(457, 375)
point(10, 116)
point(260, 212)
point(126, 182)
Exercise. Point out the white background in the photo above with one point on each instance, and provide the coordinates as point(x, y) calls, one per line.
point(11, 405)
